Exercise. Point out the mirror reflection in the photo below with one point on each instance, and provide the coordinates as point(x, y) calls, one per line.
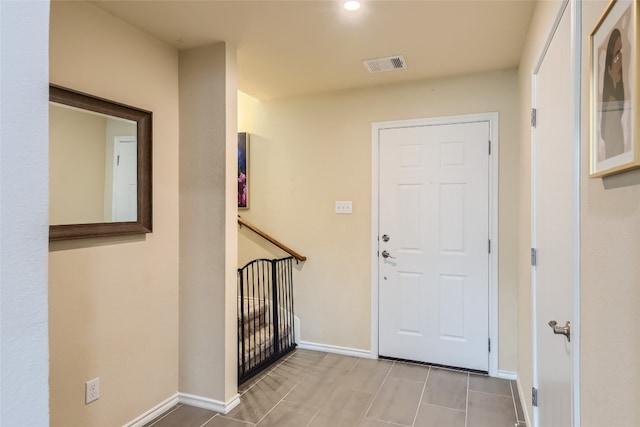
point(93, 167)
point(100, 167)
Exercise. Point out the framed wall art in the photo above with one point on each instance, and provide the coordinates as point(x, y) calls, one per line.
point(243, 170)
point(614, 115)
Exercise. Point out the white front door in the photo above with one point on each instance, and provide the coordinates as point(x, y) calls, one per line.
point(555, 229)
point(433, 244)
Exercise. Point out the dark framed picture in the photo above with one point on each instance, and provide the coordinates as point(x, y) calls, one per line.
point(243, 170)
point(615, 138)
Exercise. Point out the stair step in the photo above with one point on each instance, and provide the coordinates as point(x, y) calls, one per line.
point(254, 311)
point(260, 342)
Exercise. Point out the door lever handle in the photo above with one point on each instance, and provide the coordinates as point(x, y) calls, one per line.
point(386, 254)
point(561, 330)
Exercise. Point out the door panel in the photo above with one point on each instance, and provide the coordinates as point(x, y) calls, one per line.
point(554, 237)
point(433, 289)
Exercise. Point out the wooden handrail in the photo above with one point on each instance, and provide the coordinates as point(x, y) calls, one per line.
point(265, 236)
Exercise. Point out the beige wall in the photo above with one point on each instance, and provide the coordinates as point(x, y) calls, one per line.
point(610, 294)
point(76, 150)
point(208, 248)
point(250, 245)
point(114, 301)
point(307, 152)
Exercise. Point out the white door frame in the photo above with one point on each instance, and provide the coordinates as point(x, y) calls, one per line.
point(575, 8)
point(492, 118)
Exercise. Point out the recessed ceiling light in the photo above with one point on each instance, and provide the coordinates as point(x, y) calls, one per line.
point(352, 5)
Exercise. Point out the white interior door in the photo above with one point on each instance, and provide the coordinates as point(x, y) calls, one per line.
point(433, 224)
point(554, 229)
point(125, 179)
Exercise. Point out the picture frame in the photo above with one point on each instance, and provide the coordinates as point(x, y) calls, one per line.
point(243, 170)
point(614, 90)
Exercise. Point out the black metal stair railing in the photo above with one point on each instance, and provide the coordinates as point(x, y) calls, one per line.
point(265, 314)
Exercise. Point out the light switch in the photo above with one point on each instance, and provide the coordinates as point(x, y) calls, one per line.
point(344, 207)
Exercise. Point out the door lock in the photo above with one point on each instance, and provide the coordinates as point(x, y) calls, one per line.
point(386, 254)
point(561, 330)
point(385, 237)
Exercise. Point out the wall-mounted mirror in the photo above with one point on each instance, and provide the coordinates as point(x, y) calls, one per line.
point(99, 167)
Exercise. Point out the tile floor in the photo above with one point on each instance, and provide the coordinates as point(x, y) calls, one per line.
point(314, 389)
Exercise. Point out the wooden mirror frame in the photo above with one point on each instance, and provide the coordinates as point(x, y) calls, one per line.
point(143, 119)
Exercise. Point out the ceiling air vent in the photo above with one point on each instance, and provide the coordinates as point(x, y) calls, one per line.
point(390, 63)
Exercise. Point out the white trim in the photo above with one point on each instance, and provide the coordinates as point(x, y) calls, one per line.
point(494, 195)
point(507, 375)
point(576, 46)
point(493, 119)
point(523, 402)
point(154, 412)
point(375, 171)
point(210, 404)
point(296, 329)
point(534, 244)
point(187, 399)
point(327, 348)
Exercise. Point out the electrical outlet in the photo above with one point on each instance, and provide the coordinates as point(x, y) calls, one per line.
point(91, 390)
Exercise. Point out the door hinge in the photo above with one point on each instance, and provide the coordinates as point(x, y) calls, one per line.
point(534, 117)
point(534, 257)
point(118, 161)
point(489, 345)
point(489, 245)
point(489, 147)
point(534, 396)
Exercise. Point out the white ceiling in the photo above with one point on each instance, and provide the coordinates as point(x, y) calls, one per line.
point(293, 47)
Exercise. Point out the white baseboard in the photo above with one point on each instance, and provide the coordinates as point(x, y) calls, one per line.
point(327, 348)
point(507, 375)
point(210, 404)
point(296, 329)
point(523, 402)
point(346, 351)
point(154, 412)
point(187, 399)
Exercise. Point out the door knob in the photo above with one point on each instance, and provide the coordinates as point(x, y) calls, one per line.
point(561, 330)
point(386, 254)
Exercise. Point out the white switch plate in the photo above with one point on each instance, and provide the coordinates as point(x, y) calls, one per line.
point(344, 206)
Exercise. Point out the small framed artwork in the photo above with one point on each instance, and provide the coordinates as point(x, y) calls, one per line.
point(614, 66)
point(243, 170)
